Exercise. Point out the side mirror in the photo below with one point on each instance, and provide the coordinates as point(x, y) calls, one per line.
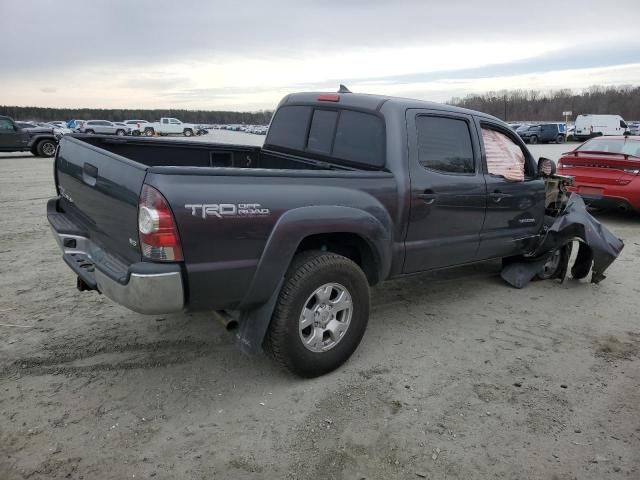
point(546, 167)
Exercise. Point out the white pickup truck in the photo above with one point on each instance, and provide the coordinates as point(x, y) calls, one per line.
point(170, 126)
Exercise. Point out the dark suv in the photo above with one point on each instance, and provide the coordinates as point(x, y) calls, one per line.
point(543, 133)
point(40, 141)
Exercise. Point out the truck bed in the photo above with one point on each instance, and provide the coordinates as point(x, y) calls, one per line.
point(162, 153)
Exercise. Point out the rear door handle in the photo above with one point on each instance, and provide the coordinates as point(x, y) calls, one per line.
point(428, 196)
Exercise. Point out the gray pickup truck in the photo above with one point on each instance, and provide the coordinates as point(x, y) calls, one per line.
point(286, 240)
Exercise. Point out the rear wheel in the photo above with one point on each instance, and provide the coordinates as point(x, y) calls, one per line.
point(187, 132)
point(148, 132)
point(321, 314)
point(136, 133)
point(46, 148)
point(89, 132)
point(560, 139)
point(533, 139)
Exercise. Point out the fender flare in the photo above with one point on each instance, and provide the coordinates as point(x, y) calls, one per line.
point(37, 138)
point(297, 224)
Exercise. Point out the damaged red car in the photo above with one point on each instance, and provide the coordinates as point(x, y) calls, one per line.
point(606, 172)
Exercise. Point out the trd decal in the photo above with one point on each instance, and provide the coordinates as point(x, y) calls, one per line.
point(227, 210)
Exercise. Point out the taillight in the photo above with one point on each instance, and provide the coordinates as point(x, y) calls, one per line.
point(157, 229)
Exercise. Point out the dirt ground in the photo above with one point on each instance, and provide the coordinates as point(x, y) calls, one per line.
point(458, 376)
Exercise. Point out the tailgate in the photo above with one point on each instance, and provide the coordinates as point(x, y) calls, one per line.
point(99, 190)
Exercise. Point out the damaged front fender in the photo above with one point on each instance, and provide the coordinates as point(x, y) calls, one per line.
point(599, 247)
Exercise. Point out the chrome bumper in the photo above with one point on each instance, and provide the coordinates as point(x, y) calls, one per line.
point(160, 291)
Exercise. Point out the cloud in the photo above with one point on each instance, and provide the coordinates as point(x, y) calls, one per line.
point(229, 54)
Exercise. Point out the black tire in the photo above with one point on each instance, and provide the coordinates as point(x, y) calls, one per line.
point(308, 272)
point(120, 132)
point(46, 148)
point(560, 139)
point(187, 132)
point(533, 139)
point(149, 132)
point(136, 133)
point(89, 132)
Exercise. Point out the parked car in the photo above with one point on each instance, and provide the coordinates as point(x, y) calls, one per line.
point(606, 172)
point(22, 124)
point(103, 127)
point(56, 128)
point(589, 126)
point(348, 190)
point(37, 140)
point(123, 125)
point(543, 133)
point(59, 123)
point(634, 128)
point(170, 126)
point(75, 125)
point(138, 126)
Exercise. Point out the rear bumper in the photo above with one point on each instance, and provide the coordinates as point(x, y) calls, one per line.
point(149, 288)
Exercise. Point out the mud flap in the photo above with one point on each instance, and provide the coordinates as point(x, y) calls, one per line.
point(253, 324)
point(599, 247)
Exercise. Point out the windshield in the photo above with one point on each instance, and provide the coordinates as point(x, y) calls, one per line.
point(611, 145)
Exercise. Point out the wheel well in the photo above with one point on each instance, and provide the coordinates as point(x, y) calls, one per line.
point(349, 245)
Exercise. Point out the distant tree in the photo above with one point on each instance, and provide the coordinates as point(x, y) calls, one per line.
point(535, 105)
point(41, 114)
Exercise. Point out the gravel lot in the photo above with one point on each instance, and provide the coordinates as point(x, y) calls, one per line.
point(458, 376)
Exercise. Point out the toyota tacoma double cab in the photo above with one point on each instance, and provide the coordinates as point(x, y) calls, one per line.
point(286, 240)
point(40, 141)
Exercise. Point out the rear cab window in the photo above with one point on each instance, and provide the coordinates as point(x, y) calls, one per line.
point(337, 135)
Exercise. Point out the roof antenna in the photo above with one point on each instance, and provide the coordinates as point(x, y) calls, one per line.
point(344, 89)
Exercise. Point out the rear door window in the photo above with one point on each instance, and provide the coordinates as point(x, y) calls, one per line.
point(444, 145)
point(359, 138)
point(289, 127)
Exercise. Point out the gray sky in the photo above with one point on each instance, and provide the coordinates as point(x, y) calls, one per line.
point(245, 55)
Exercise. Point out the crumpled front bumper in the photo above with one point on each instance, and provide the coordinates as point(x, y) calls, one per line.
point(599, 247)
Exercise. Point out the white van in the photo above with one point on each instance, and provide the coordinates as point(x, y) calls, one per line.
point(588, 126)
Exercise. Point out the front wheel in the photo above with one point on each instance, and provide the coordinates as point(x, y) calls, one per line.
point(321, 314)
point(560, 139)
point(187, 132)
point(46, 148)
point(533, 140)
point(120, 133)
point(148, 132)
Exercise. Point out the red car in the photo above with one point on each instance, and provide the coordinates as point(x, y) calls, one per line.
point(606, 172)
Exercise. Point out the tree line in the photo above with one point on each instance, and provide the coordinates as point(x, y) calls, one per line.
point(512, 105)
point(40, 114)
point(509, 105)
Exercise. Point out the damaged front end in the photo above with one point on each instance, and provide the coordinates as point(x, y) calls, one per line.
point(566, 221)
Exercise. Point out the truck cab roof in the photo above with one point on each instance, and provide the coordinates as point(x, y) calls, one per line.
point(373, 103)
